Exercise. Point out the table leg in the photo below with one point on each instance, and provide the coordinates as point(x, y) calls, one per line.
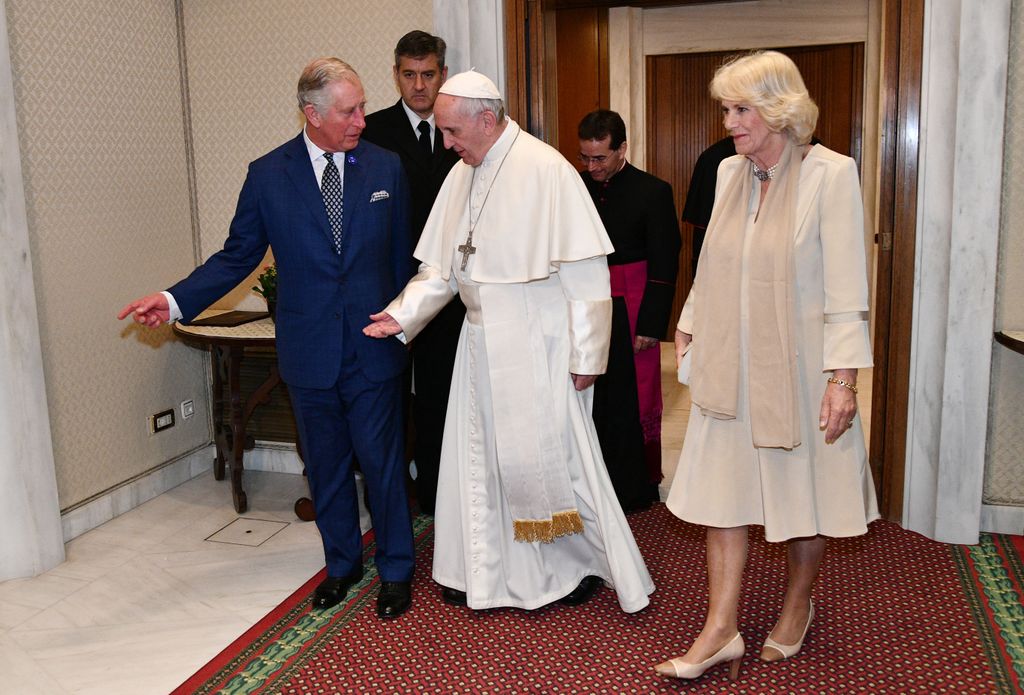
point(218, 363)
point(237, 431)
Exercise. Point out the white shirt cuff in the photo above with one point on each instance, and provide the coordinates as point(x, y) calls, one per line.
point(172, 307)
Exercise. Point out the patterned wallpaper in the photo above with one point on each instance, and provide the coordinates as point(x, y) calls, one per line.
point(106, 176)
point(103, 158)
point(244, 59)
point(1004, 471)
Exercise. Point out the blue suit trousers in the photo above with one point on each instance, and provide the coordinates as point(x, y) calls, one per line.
point(357, 419)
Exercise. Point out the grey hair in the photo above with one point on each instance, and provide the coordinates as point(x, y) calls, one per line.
point(472, 106)
point(318, 76)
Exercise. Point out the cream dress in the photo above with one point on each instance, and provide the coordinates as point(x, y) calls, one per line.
point(722, 479)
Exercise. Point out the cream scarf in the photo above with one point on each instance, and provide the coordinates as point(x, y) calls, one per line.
point(771, 351)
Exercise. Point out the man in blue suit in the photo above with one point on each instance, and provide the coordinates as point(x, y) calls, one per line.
point(335, 212)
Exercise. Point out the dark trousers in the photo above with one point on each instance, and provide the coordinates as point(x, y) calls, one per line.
point(433, 354)
point(356, 418)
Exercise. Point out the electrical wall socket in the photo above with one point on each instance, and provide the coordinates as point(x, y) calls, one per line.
point(188, 409)
point(161, 421)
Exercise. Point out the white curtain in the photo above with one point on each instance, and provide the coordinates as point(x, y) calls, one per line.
point(31, 541)
point(960, 165)
point(475, 33)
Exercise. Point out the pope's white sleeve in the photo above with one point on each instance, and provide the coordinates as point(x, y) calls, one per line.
point(587, 290)
point(421, 300)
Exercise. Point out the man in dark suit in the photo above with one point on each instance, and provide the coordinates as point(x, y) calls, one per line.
point(407, 127)
point(335, 212)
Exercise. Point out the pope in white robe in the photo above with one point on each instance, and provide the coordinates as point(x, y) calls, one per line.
point(525, 509)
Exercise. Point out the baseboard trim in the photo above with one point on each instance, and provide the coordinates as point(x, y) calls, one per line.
point(996, 518)
point(275, 457)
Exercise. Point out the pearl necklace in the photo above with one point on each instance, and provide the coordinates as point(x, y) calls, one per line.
point(764, 174)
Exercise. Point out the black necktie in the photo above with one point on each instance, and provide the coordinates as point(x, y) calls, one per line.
point(425, 143)
point(330, 188)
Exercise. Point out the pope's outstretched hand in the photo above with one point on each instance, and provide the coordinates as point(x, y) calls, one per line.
point(383, 326)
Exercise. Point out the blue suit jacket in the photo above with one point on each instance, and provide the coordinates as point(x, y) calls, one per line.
point(324, 298)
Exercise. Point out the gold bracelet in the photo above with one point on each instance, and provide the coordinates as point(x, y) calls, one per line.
point(840, 382)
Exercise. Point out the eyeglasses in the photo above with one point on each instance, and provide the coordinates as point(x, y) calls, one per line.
point(599, 159)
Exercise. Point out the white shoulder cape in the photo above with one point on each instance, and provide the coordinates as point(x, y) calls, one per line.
point(537, 197)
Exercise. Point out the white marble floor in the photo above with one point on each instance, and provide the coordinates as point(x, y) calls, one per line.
point(148, 598)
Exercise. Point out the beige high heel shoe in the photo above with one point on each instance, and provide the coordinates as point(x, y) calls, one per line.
point(732, 652)
point(787, 650)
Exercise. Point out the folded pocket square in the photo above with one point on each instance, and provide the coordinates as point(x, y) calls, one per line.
point(379, 195)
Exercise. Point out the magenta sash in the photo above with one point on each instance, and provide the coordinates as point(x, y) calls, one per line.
point(629, 281)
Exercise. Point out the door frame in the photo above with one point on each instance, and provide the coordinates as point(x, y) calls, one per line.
point(528, 25)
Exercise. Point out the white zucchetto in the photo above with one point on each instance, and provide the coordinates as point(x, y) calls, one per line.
point(470, 84)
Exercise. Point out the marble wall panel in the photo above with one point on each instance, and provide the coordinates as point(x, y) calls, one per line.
point(961, 154)
point(30, 540)
point(475, 33)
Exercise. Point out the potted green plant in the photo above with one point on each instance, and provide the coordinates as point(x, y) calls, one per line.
point(268, 288)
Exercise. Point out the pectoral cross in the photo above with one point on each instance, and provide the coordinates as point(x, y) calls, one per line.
point(466, 250)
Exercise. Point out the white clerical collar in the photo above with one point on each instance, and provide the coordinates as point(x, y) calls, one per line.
point(415, 118)
point(502, 145)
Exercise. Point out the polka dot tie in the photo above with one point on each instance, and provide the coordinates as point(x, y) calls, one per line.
point(330, 187)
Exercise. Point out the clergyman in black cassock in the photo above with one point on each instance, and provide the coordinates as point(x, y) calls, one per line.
point(638, 211)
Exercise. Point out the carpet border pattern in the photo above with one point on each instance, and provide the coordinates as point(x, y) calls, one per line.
point(991, 574)
point(275, 647)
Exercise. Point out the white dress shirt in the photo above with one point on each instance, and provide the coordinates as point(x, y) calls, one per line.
point(414, 122)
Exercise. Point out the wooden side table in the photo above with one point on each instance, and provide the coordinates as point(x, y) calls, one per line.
point(227, 346)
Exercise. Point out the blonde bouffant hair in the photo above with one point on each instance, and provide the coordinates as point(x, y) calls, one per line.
point(771, 83)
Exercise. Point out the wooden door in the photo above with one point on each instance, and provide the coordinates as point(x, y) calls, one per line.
point(581, 73)
point(683, 119)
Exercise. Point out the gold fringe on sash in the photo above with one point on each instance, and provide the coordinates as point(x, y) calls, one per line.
point(547, 530)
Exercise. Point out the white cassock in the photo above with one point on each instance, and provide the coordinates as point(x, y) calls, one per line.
point(538, 309)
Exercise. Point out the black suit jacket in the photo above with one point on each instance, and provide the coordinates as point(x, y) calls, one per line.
point(390, 129)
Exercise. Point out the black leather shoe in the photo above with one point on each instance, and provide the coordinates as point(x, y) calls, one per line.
point(453, 597)
point(582, 593)
point(394, 599)
point(332, 590)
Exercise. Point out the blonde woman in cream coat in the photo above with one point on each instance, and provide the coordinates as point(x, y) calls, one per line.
point(778, 323)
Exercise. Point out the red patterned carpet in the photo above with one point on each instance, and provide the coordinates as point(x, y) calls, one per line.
point(897, 613)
